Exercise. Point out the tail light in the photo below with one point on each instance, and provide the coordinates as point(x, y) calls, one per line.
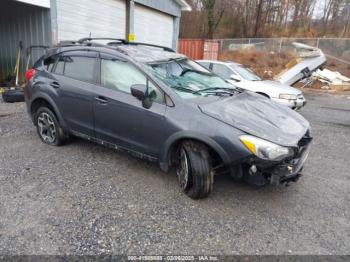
point(29, 74)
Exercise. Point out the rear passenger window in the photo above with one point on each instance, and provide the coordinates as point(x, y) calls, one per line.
point(77, 67)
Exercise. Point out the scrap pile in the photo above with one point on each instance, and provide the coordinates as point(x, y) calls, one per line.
point(332, 80)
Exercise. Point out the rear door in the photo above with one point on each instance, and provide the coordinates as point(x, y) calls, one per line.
point(120, 118)
point(75, 76)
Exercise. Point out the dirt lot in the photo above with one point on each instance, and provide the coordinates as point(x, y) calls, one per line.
point(83, 198)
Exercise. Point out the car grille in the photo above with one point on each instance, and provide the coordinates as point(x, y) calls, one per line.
point(300, 97)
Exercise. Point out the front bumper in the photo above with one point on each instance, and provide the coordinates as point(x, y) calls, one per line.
point(294, 104)
point(287, 171)
point(261, 172)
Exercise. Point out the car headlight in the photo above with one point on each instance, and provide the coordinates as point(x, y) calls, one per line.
point(265, 149)
point(288, 96)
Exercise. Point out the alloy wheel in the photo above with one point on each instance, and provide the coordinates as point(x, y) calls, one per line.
point(47, 128)
point(183, 169)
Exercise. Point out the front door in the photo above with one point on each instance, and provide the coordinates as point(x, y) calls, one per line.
point(119, 117)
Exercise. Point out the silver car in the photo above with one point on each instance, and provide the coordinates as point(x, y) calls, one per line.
point(240, 76)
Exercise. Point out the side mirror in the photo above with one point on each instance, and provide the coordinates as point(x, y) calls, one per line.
point(139, 91)
point(235, 78)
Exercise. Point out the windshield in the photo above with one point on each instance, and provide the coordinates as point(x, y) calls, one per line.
point(189, 79)
point(246, 73)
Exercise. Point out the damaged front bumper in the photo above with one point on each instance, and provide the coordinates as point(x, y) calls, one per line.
point(292, 103)
point(262, 172)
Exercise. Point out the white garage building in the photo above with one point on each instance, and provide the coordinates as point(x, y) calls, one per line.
point(46, 22)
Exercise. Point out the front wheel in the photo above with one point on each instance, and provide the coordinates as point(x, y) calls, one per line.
point(194, 169)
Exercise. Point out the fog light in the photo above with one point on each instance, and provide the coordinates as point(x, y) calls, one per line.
point(253, 170)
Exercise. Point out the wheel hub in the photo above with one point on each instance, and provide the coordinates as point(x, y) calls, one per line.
point(47, 128)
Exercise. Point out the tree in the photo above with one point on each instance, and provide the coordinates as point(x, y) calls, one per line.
point(215, 11)
point(265, 18)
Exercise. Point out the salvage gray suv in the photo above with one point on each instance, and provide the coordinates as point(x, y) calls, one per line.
point(161, 106)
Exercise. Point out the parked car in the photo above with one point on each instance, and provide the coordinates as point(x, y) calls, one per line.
point(162, 106)
point(245, 78)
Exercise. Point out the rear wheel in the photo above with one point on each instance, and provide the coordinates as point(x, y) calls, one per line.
point(48, 127)
point(194, 169)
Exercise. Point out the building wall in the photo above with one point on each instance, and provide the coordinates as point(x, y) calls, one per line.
point(102, 18)
point(21, 22)
point(165, 6)
point(152, 26)
point(169, 9)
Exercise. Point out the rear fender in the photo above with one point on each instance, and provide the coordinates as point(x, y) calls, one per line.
point(51, 102)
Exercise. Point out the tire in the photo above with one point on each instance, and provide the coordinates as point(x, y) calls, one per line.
point(12, 96)
point(194, 170)
point(48, 127)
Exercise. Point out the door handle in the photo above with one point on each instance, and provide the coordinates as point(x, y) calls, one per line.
point(102, 100)
point(55, 84)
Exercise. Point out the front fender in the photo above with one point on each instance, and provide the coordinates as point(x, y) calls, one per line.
point(164, 159)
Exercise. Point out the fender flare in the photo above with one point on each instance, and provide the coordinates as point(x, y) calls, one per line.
point(50, 101)
point(173, 139)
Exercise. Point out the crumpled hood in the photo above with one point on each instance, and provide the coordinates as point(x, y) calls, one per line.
point(259, 116)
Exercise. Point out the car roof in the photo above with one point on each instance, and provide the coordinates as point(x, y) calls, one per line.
point(220, 62)
point(146, 54)
point(141, 52)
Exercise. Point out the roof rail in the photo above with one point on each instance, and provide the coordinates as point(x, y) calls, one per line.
point(115, 41)
point(143, 44)
point(67, 43)
point(89, 39)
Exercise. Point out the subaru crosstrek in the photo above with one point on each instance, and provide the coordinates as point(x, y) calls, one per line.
point(161, 106)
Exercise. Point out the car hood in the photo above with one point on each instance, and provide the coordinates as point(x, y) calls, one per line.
point(277, 87)
point(259, 116)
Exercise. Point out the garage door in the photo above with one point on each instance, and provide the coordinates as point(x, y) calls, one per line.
point(101, 18)
point(153, 27)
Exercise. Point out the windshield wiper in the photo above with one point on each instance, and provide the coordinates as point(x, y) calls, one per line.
point(186, 70)
point(181, 88)
point(217, 90)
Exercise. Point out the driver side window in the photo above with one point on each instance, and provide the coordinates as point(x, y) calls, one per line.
point(120, 75)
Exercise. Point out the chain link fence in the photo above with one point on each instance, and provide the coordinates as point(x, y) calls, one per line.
point(336, 48)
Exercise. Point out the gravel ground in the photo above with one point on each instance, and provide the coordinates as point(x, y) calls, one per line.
point(82, 198)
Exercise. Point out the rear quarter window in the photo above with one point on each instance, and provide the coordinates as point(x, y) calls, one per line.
point(49, 63)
